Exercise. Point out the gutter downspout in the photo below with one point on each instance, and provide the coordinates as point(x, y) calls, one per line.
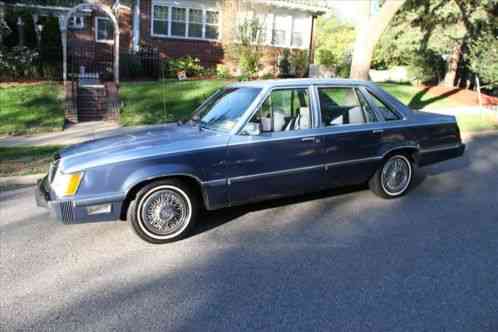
point(135, 39)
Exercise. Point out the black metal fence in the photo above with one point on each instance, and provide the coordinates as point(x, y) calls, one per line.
point(142, 65)
point(46, 64)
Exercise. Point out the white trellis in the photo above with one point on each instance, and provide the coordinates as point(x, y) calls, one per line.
point(64, 22)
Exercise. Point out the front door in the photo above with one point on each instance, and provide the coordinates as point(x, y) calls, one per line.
point(277, 153)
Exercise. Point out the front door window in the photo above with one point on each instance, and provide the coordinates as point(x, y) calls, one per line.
point(283, 110)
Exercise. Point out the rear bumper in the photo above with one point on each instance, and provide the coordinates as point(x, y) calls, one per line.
point(438, 154)
point(75, 211)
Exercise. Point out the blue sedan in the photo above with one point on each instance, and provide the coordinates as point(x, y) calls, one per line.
point(248, 142)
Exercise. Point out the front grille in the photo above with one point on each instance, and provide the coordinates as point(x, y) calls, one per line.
point(67, 213)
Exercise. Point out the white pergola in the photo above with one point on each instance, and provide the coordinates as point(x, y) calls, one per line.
point(64, 21)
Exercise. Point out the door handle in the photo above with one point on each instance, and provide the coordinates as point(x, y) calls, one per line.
point(377, 131)
point(309, 139)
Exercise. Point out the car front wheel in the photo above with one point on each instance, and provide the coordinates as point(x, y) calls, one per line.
point(393, 178)
point(163, 211)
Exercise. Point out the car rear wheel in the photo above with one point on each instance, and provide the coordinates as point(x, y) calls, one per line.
point(163, 211)
point(393, 178)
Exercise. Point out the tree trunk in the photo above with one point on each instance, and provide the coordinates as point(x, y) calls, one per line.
point(453, 60)
point(368, 36)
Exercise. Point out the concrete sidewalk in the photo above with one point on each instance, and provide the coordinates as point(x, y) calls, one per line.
point(73, 134)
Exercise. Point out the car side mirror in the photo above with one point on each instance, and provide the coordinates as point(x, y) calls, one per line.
point(251, 129)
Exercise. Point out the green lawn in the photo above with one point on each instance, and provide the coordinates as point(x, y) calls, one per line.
point(31, 108)
point(416, 97)
point(165, 101)
point(39, 108)
point(473, 123)
point(26, 160)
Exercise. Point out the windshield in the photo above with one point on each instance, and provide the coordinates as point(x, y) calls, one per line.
point(223, 110)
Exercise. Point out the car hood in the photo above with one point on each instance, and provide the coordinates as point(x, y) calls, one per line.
point(133, 143)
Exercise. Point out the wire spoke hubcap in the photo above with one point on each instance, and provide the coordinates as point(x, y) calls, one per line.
point(396, 175)
point(164, 212)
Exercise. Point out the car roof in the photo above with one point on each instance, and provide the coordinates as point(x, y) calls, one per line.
point(299, 81)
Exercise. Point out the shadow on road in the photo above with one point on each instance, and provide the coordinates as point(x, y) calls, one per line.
point(337, 260)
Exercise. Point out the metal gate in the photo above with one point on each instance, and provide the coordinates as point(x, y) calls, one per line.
point(90, 68)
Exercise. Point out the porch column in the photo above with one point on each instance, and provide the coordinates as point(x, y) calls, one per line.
point(136, 26)
point(62, 28)
point(116, 56)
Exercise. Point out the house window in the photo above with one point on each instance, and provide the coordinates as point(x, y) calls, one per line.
point(103, 29)
point(280, 28)
point(298, 26)
point(160, 20)
point(194, 23)
point(212, 24)
point(76, 22)
point(178, 21)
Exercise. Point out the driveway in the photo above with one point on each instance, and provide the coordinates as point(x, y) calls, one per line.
point(339, 261)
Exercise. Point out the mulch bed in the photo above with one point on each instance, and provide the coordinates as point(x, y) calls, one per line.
point(462, 96)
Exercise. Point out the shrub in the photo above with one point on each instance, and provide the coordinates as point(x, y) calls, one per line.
point(428, 67)
point(191, 66)
point(299, 60)
point(246, 50)
point(18, 62)
point(284, 64)
point(222, 71)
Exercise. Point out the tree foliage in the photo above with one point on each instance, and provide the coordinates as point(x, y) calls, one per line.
point(335, 41)
point(483, 59)
point(426, 34)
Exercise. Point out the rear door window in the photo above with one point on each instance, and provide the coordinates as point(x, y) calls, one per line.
point(343, 106)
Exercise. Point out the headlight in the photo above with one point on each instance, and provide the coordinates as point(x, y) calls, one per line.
point(66, 184)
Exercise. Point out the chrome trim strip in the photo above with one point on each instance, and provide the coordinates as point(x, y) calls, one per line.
point(354, 161)
point(415, 147)
point(441, 148)
point(215, 183)
point(268, 174)
point(300, 169)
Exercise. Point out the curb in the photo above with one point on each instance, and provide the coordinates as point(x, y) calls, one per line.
point(14, 182)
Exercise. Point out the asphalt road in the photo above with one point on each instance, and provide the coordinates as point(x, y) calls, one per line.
point(340, 261)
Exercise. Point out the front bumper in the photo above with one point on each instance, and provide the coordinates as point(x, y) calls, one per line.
point(74, 211)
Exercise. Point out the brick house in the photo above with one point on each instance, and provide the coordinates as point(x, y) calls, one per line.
point(200, 28)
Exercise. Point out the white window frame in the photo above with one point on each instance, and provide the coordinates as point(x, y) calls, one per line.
point(290, 19)
point(102, 18)
point(152, 19)
point(73, 23)
point(170, 5)
point(287, 28)
point(206, 24)
point(185, 22)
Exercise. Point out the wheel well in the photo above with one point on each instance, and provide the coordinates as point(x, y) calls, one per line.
point(132, 193)
point(411, 153)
